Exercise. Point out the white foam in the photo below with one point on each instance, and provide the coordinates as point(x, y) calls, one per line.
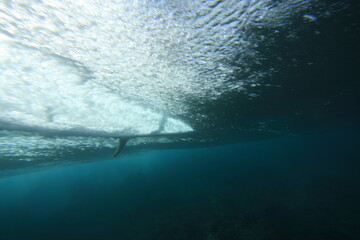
point(44, 91)
point(157, 52)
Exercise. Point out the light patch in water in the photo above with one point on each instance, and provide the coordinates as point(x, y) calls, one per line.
point(46, 92)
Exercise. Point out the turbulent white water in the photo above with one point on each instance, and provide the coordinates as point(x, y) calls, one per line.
point(43, 91)
point(120, 67)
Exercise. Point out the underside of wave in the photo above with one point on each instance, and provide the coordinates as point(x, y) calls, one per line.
point(52, 95)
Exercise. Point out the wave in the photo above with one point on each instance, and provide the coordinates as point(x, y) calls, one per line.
point(170, 73)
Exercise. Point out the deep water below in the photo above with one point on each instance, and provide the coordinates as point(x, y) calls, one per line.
point(303, 187)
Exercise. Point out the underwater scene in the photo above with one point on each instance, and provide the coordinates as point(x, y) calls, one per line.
point(179, 120)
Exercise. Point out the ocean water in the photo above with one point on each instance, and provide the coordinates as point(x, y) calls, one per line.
point(242, 119)
point(290, 188)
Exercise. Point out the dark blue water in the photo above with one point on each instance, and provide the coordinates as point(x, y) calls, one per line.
point(304, 187)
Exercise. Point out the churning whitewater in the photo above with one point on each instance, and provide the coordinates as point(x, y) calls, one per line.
point(77, 75)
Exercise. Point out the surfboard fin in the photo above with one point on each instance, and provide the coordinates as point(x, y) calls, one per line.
point(120, 147)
